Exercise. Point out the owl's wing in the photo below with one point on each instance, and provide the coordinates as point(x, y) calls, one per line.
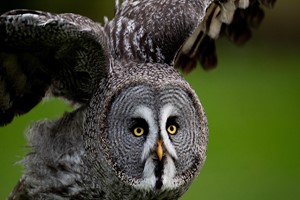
point(180, 32)
point(231, 18)
point(43, 53)
point(153, 30)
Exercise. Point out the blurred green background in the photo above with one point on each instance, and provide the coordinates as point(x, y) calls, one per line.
point(251, 100)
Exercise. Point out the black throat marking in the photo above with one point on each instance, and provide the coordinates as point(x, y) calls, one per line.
point(158, 171)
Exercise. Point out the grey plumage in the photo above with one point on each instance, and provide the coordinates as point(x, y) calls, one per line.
point(139, 130)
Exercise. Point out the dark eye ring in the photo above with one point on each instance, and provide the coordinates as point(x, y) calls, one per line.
point(139, 127)
point(138, 131)
point(172, 126)
point(172, 129)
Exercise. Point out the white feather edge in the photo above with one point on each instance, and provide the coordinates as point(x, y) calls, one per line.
point(167, 111)
point(223, 13)
point(147, 114)
point(243, 4)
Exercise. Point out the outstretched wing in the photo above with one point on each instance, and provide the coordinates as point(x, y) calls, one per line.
point(59, 54)
point(153, 30)
point(180, 32)
point(231, 18)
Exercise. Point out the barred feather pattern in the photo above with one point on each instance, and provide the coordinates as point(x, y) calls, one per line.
point(151, 30)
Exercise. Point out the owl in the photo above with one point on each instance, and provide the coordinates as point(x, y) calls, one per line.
point(138, 129)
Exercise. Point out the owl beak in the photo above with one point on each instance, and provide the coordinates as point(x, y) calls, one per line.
point(159, 150)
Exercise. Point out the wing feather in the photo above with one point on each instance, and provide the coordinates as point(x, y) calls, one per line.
point(231, 18)
point(43, 53)
point(152, 30)
point(181, 32)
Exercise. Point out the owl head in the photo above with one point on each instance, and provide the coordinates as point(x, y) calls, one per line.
point(151, 127)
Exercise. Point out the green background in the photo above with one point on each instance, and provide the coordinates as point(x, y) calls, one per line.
point(251, 100)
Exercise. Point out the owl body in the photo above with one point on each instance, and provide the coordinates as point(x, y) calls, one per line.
point(74, 156)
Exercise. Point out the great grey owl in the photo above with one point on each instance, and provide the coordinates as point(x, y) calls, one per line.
point(138, 130)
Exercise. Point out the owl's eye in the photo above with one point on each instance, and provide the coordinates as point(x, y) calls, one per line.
point(139, 127)
point(172, 129)
point(138, 131)
point(172, 126)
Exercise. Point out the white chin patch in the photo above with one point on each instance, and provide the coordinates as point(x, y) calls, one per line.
point(169, 171)
point(149, 180)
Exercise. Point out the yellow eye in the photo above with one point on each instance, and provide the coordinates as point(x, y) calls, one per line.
point(172, 129)
point(138, 131)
